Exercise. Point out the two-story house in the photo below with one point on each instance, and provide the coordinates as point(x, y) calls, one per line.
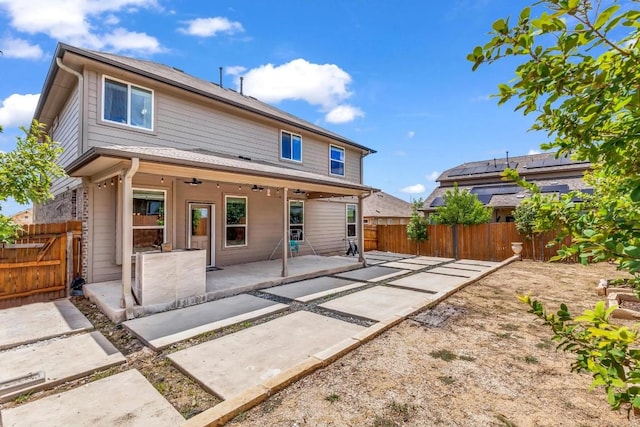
point(155, 156)
point(484, 179)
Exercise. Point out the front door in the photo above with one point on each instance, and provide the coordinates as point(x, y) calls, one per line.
point(201, 229)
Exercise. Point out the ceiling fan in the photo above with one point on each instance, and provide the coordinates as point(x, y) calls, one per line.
point(194, 182)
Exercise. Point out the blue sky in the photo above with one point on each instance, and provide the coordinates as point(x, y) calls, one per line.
point(389, 75)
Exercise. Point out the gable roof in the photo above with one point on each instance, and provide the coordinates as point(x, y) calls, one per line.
point(179, 79)
point(385, 205)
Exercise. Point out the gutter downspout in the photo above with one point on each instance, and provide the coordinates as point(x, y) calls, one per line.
point(127, 237)
point(80, 78)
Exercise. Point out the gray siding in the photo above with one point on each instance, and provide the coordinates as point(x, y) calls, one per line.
point(103, 237)
point(187, 122)
point(325, 225)
point(66, 133)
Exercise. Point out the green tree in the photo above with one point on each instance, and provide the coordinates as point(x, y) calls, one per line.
point(461, 207)
point(417, 229)
point(579, 73)
point(26, 173)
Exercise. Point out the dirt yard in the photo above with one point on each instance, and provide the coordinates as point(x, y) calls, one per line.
point(490, 364)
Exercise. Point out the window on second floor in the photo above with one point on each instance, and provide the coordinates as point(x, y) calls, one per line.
point(127, 104)
point(290, 146)
point(336, 160)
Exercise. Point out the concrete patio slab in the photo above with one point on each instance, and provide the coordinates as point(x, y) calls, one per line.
point(33, 322)
point(421, 261)
point(468, 267)
point(428, 282)
point(61, 359)
point(481, 263)
point(228, 281)
point(308, 290)
point(229, 365)
point(161, 330)
point(125, 399)
point(375, 273)
point(379, 302)
point(454, 272)
point(388, 254)
point(435, 258)
point(404, 265)
point(374, 261)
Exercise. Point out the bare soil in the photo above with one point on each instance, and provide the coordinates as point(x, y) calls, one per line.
point(478, 359)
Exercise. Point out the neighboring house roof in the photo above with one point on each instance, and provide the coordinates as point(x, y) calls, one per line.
point(23, 217)
point(385, 205)
point(177, 78)
point(206, 161)
point(483, 178)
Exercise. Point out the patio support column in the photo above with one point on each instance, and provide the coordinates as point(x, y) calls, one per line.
point(127, 237)
point(285, 231)
point(360, 225)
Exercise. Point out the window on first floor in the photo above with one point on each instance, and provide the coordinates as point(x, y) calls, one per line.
point(127, 104)
point(336, 160)
point(296, 220)
point(149, 225)
point(290, 146)
point(352, 221)
point(235, 221)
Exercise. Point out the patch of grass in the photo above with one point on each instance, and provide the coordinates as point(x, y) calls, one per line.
point(446, 355)
point(271, 404)
point(384, 422)
point(467, 358)
point(98, 375)
point(332, 398)
point(447, 379)
point(505, 336)
point(505, 421)
point(531, 359)
point(161, 387)
point(240, 417)
point(545, 344)
point(509, 326)
point(23, 397)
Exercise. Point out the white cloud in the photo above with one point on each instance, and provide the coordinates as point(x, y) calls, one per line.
point(17, 110)
point(79, 21)
point(210, 27)
point(324, 85)
point(413, 189)
point(400, 153)
point(19, 48)
point(533, 151)
point(411, 134)
point(343, 114)
point(235, 70)
point(432, 176)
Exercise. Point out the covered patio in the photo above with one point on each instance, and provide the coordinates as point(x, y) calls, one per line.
point(231, 280)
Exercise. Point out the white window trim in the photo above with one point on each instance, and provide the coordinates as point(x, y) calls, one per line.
point(297, 225)
point(344, 162)
point(351, 223)
point(280, 147)
point(245, 225)
point(129, 85)
point(152, 227)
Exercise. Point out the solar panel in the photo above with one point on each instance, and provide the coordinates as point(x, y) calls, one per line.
point(438, 201)
point(558, 188)
point(484, 198)
point(487, 168)
point(552, 161)
point(495, 189)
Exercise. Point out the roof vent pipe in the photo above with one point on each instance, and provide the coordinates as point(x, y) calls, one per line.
point(494, 163)
point(507, 158)
point(241, 82)
point(220, 70)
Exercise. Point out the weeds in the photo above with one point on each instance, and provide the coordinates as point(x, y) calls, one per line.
point(332, 398)
point(509, 326)
point(445, 355)
point(447, 379)
point(531, 359)
point(23, 397)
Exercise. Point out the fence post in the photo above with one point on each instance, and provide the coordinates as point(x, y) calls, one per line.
point(68, 262)
point(455, 241)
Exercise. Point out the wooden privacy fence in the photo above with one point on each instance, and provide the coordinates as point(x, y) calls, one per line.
point(41, 264)
point(370, 237)
point(486, 242)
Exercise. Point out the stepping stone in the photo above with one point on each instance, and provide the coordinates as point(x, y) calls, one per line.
point(308, 290)
point(480, 263)
point(161, 330)
point(468, 267)
point(404, 265)
point(125, 399)
point(379, 303)
point(429, 282)
point(228, 365)
point(454, 272)
point(435, 258)
point(374, 261)
point(33, 322)
point(421, 261)
point(372, 274)
point(61, 360)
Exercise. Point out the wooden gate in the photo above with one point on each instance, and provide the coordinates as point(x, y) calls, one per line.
point(41, 264)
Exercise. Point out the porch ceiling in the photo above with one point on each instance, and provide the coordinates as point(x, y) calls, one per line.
point(100, 163)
